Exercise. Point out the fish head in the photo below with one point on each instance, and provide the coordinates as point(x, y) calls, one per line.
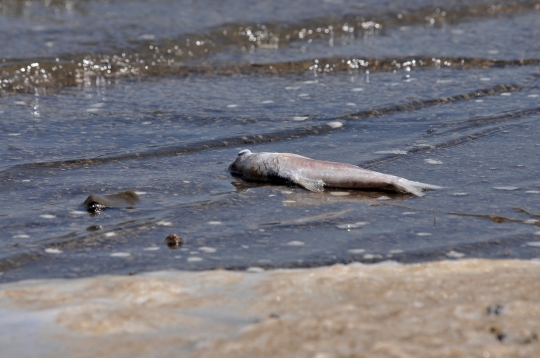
point(241, 162)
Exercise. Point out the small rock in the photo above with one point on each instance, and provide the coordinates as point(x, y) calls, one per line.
point(495, 310)
point(96, 204)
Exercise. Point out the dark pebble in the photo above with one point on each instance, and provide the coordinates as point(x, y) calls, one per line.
point(174, 241)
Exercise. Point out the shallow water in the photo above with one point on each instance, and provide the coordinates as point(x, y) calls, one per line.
point(115, 98)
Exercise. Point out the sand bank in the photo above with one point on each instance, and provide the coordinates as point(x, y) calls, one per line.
point(465, 308)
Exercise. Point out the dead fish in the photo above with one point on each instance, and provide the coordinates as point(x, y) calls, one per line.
point(315, 175)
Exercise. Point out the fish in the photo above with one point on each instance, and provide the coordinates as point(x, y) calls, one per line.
point(315, 175)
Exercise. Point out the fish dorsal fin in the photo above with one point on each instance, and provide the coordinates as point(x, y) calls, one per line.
point(294, 155)
point(310, 184)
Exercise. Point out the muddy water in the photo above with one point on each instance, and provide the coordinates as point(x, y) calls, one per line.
point(103, 97)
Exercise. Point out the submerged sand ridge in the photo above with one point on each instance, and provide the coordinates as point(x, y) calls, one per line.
point(466, 308)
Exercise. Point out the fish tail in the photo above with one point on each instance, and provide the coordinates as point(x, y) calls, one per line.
point(415, 187)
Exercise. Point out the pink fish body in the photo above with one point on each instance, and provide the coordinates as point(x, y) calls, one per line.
point(315, 175)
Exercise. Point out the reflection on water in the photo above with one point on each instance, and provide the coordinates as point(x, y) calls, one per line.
point(91, 43)
point(104, 97)
point(330, 197)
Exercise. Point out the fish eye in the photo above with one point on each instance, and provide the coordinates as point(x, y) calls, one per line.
point(243, 152)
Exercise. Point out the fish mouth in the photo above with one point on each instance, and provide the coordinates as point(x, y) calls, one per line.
point(233, 169)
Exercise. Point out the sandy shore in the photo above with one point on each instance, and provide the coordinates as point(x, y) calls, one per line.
point(465, 308)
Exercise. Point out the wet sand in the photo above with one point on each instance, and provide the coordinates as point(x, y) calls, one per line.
point(464, 308)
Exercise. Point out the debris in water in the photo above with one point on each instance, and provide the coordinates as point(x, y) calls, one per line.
point(339, 193)
point(174, 241)
point(455, 254)
point(47, 216)
point(53, 251)
point(335, 125)
point(96, 204)
point(120, 254)
point(507, 188)
point(151, 248)
point(349, 227)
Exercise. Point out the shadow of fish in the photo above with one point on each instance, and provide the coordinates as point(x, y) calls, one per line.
point(315, 175)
